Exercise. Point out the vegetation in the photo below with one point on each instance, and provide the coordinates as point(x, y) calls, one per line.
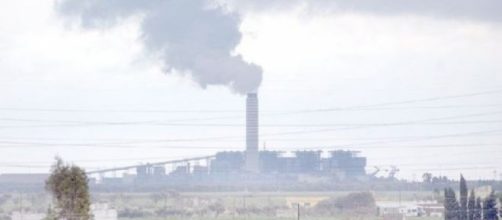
point(68, 185)
point(477, 212)
point(490, 211)
point(173, 205)
point(451, 206)
point(463, 199)
point(361, 202)
point(469, 207)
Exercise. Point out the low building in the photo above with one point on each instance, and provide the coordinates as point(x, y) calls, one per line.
point(23, 178)
point(432, 208)
point(410, 208)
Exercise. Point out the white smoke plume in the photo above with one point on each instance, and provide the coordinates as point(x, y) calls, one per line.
point(198, 36)
point(475, 10)
point(191, 36)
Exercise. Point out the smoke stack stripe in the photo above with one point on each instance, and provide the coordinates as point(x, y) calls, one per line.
point(252, 133)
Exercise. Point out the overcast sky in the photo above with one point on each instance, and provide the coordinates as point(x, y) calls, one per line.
point(415, 85)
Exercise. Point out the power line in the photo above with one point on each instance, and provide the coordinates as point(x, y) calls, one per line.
point(443, 167)
point(273, 148)
point(157, 123)
point(356, 107)
point(243, 125)
point(264, 135)
point(164, 111)
point(467, 134)
point(478, 165)
point(160, 141)
point(415, 100)
point(72, 122)
point(383, 125)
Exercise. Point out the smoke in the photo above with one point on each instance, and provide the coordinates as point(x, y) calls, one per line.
point(190, 36)
point(197, 37)
point(476, 10)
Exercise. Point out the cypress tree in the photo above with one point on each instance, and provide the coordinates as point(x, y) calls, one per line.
point(477, 210)
point(463, 199)
point(446, 204)
point(500, 202)
point(471, 206)
point(490, 211)
point(455, 204)
point(451, 205)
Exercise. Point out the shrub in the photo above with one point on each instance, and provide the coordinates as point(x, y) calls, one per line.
point(361, 202)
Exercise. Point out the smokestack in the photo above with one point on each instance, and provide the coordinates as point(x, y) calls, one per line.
point(252, 133)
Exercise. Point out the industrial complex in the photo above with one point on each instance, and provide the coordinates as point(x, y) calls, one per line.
point(240, 168)
point(230, 169)
point(236, 168)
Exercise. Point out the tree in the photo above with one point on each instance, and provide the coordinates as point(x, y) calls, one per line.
point(463, 199)
point(357, 202)
point(471, 206)
point(451, 206)
point(500, 211)
point(477, 211)
point(50, 214)
point(68, 185)
point(490, 211)
point(157, 197)
point(427, 177)
point(217, 208)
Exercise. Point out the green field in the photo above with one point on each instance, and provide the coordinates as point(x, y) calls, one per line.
point(216, 205)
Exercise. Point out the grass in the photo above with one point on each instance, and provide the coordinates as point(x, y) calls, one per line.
point(230, 200)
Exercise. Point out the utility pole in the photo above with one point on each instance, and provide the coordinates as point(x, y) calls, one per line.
point(400, 198)
point(245, 207)
point(165, 205)
point(21, 205)
point(298, 214)
point(235, 210)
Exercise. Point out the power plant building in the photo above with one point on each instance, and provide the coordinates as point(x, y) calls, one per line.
point(253, 167)
point(340, 163)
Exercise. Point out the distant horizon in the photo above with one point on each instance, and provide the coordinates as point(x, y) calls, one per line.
point(417, 86)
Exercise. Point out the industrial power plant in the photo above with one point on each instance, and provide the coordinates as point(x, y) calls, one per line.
point(242, 168)
point(249, 168)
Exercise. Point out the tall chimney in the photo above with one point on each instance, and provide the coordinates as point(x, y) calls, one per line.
point(252, 133)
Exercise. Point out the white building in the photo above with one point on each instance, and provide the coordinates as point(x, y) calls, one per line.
point(410, 208)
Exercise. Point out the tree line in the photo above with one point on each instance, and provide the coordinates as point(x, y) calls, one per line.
point(469, 206)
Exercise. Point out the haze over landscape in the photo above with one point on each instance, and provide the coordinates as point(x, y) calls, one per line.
point(414, 85)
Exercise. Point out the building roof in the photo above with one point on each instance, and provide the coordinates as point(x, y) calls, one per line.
point(23, 178)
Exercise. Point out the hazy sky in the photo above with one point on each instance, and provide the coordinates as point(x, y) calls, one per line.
point(417, 85)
